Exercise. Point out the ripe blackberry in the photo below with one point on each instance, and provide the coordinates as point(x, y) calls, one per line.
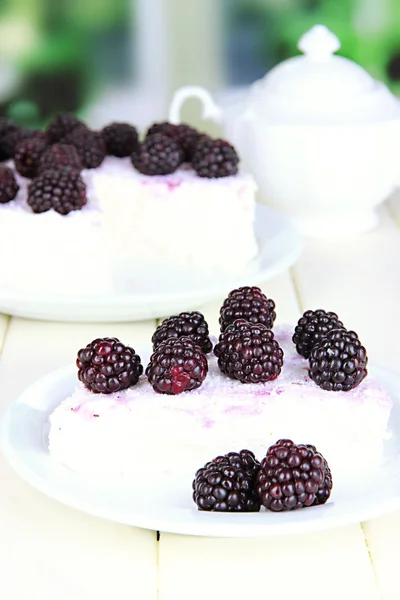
point(214, 158)
point(249, 353)
point(226, 484)
point(338, 361)
point(11, 137)
point(8, 185)
point(186, 136)
point(106, 365)
point(292, 476)
point(61, 125)
point(121, 139)
point(158, 155)
point(312, 327)
point(59, 155)
point(186, 324)
point(89, 145)
point(247, 303)
point(61, 189)
point(177, 365)
point(27, 155)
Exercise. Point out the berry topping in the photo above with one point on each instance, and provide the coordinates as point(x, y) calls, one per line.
point(214, 158)
point(27, 155)
point(177, 365)
point(89, 144)
point(338, 361)
point(312, 327)
point(186, 136)
point(62, 125)
point(293, 476)
point(59, 155)
point(158, 155)
point(8, 185)
point(247, 303)
point(249, 353)
point(187, 324)
point(121, 139)
point(106, 366)
point(61, 189)
point(226, 484)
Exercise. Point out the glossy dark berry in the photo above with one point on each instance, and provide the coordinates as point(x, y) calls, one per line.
point(27, 156)
point(61, 189)
point(106, 365)
point(186, 136)
point(177, 365)
point(292, 476)
point(59, 155)
point(214, 158)
point(187, 324)
point(312, 327)
point(10, 140)
point(89, 144)
point(226, 484)
point(158, 155)
point(249, 353)
point(247, 303)
point(61, 125)
point(338, 361)
point(121, 139)
point(8, 185)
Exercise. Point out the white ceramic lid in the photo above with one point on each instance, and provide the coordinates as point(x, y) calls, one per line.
point(318, 87)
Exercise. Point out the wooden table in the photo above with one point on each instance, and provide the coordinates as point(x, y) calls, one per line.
point(51, 552)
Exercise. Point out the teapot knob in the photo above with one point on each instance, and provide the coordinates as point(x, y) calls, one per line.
point(319, 43)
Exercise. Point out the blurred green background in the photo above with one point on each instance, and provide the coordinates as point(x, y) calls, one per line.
point(122, 59)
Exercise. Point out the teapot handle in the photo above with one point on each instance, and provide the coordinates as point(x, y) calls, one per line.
point(210, 108)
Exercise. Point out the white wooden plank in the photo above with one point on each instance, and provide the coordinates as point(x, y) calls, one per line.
point(4, 322)
point(383, 541)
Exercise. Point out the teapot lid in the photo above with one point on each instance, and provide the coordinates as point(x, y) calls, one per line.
point(318, 87)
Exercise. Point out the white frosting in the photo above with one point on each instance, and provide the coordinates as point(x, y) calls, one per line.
point(138, 429)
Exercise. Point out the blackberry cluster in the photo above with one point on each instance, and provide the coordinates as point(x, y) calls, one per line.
point(186, 136)
point(226, 483)
point(8, 185)
point(177, 365)
point(293, 476)
point(247, 303)
point(61, 189)
point(158, 155)
point(214, 158)
point(89, 145)
point(312, 327)
point(121, 139)
point(249, 353)
point(106, 366)
point(186, 324)
point(27, 155)
point(62, 125)
point(338, 361)
point(59, 155)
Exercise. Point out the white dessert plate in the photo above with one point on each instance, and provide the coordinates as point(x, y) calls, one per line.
point(165, 504)
point(279, 247)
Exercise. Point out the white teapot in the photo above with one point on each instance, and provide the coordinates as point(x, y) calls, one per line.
point(319, 134)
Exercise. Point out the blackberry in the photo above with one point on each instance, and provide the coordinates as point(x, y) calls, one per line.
point(106, 365)
point(214, 158)
point(177, 365)
point(187, 324)
point(121, 139)
point(312, 327)
point(292, 476)
point(249, 353)
point(61, 125)
point(186, 136)
point(10, 139)
point(247, 303)
point(8, 185)
point(61, 189)
point(89, 144)
point(338, 361)
point(226, 484)
point(158, 155)
point(59, 155)
point(27, 155)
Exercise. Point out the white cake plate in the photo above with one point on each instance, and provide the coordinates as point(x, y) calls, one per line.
point(279, 247)
point(167, 504)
